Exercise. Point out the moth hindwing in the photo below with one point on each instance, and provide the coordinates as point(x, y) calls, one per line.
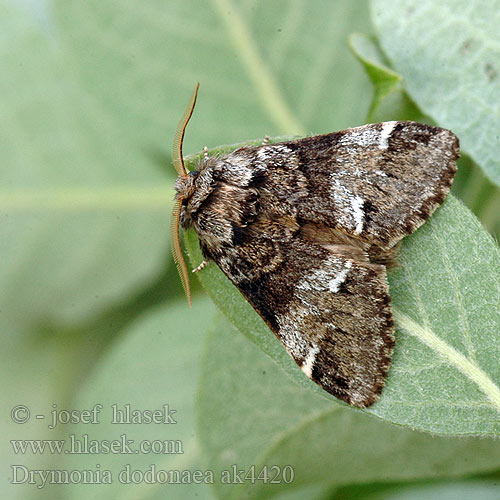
point(306, 229)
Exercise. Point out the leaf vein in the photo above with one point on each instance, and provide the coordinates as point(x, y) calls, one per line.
point(257, 69)
point(468, 367)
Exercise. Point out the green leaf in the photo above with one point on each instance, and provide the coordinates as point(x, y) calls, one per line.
point(479, 194)
point(155, 363)
point(141, 60)
point(83, 217)
point(447, 53)
point(453, 490)
point(390, 101)
point(249, 412)
point(310, 491)
point(445, 375)
point(95, 102)
point(446, 296)
point(33, 375)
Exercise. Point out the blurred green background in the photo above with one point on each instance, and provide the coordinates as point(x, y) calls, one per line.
point(91, 308)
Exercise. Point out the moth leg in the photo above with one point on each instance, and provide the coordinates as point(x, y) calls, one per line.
point(200, 267)
point(205, 154)
point(266, 140)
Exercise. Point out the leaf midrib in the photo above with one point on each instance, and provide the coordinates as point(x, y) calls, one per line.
point(257, 68)
point(455, 358)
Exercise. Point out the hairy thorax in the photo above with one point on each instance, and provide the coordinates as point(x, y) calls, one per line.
point(218, 210)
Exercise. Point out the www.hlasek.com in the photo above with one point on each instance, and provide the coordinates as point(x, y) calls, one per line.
point(127, 475)
point(83, 445)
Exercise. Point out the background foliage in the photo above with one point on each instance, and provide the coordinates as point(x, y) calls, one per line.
point(91, 310)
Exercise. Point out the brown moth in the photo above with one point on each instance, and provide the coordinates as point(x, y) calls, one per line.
point(306, 229)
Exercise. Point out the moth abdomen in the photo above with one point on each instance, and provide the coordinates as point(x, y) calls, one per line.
point(388, 257)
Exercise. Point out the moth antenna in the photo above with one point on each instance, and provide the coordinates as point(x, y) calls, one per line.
point(177, 158)
point(177, 250)
point(178, 162)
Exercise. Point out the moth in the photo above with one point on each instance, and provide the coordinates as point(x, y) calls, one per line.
point(306, 230)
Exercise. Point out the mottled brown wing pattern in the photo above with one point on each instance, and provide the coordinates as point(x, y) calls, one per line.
point(303, 229)
point(331, 313)
point(382, 181)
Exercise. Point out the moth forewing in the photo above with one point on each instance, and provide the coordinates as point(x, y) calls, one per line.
point(305, 228)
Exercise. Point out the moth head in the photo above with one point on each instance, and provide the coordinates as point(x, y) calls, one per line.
point(185, 188)
point(185, 185)
point(193, 190)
